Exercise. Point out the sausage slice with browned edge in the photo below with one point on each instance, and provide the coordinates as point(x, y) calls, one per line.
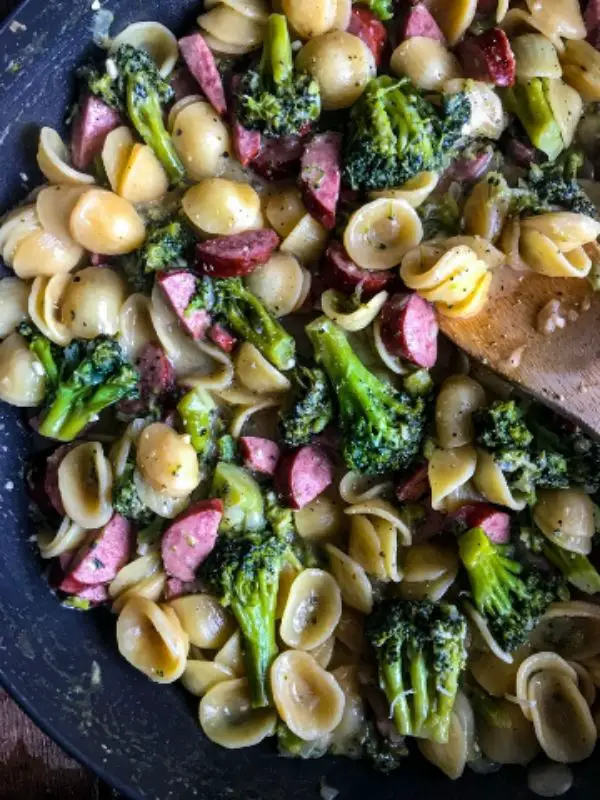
point(247, 144)
point(409, 329)
point(278, 158)
point(237, 255)
point(259, 454)
point(321, 177)
point(179, 288)
point(341, 273)
point(495, 523)
point(302, 475)
point(488, 57)
point(190, 538)
point(201, 63)
point(103, 555)
point(419, 22)
point(94, 121)
point(413, 487)
point(369, 29)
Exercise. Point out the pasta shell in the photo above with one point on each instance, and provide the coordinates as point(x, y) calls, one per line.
point(312, 611)
point(364, 547)
point(310, 18)
point(220, 207)
point(473, 304)
point(221, 48)
point(151, 639)
point(278, 283)
point(426, 62)
point(571, 629)
point(542, 255)
point(85, 485)
point(254, 9)
point(205, 621)
point(549, 663)
point(161, 503)
point(485, 211)
point(40, 253)
point(395, 364)
point(167, 461)
point(585, 683)
point(495, 676)
point(567, 230)
point(490, 481)
point(454, 18)
point(334, 306)
point(13, 305)
point(226, 25)
point(482, 248)
point(517, 19)
point(482, 632)
point(451, 757)
point(22, 377)
point(53, 160)
point(457, 401)
point(554, 699)
point(256, 373)
point(381, 232)
point(566, 106)
point(157, 40)
point(448, 470)
point(356, 488)
point(144, 179)
point(200, 676)
point(284, 210)
point(459, 287)
point(103, 222)
point(562, 17)
point(343, 14)
point(388, 543)
point(15, 226)
point(324, 652)
point(354, 584)
point(428, 561)
point(487, 117)
point(92, 302)
point(136, 330)
point(566, 517)
point(67, 538)
point(306, 241)
point(386, 511)
point(132, 574)
point(415, 191)
point(345, 737)
point(150, 588)
point(505, 736)
point(228, 719)
point(45, 308)
point(536, 57)
point(54, 206)
point(581, 69)
point(350, 631)
point(115, 154)
point(308, 699)
point(201, 139)
point(231, 655)
point(319, 520)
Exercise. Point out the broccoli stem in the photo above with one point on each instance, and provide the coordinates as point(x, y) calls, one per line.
point(198, 412)
point(42, 348)
point(145, 113)
point(276, 59)
point(87, 411)
point(66, 398)
point(577, 569)
point(260, 647)
point(393, 686)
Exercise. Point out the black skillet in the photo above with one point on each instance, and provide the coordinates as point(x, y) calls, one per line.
point(62, 666)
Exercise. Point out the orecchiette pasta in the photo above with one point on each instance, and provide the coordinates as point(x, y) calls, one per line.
point(497, 677)
point(103, 222)
point(85, 485)
point(459, 397)
point(228, 718)
point(151, 639)
point(143, 179)
point(335, 306)
point(324, 652)
point(230, 31)
point(254, 371)
point(116, 150)
point(567, 107)
point(157, 40)
point(415, 191)
point(284, 210)
point(571, 629)
point(45, 308)
point(448, 470)
point(200, 676)
point(381, 509)
point(306, 241)
point(143, 577)
point(231, 655)
point(279, 284)
point(14, 228)
point(167, 461)
point(427, 62)
point(350, 631)
point(491, 482)
point(566, 517)
point(308, 699)
point(135, 326)
point(310, 19)
point(40, 253)
point(220, 207)
point(54, 206)
point(68, 537)
point(322, 519)
point(452, 757)
point(568, 231)
point(454, 18)
point(356, 488)
point(312, 610)
point(53, 160)
point(352, 579)
point(92, 302)
point(429, 569)
point(487, 117)
point(581, 69)
point(206, 623)
point(504, 735)
point(201, 140)
point(536, 57)
point(481, 630)
point(486, 208)
point(379, 234)
point(247, 405)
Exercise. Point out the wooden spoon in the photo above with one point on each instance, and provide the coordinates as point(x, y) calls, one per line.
point(560, 369)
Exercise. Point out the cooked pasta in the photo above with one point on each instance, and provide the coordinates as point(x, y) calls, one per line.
point(157, 40)
point(231, 32)
point(581, 69)
point(201, 139)
point(335, 306)
point(427, 62)
point(357, 591)
point(415, 191)
point(85, 485)
point(428, 571)
point(279, 284)
point(452, 757)
point(221, 207)
point(45, 305)
point(448, 471)
point(53, 160)
point(459, 398)
point(379, 234)
point(536, 57)
point(228, 718)
point(312, 610)
point(204, 620)
point(566, 517)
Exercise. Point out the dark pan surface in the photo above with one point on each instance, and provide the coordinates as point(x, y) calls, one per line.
point(62, 666)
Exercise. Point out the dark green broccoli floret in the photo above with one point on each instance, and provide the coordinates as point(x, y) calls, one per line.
point(421, 653)
point(126, 500)
point(275, 98)
point(280, 519)
point(200, 416)
point(510, 597)
point(47, 353)
point(166, 247)
point(581, 452)
point(138, 89)
point(204, 296)
point(394, 133)
point(244, 574)
point(384, 9)
point(93, 376)
point(385, 755)
point(502, 425)
point(382, 428)
point(310, 409)
point(243, 313)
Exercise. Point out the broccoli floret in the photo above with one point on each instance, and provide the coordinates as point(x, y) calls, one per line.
point(275, 98)
point(126, 500)
point(384, 9)
point(243, 506)
point(394, 133)
point(509, 597)
point(310, 409)
point(280, 519)
point(440, 217)
point(244, 574)
point(93, 376)
point(227, 449)
point(47, 353)
point(581, 452)
point(203, 298)
point(385, 755)
point(200, 416)
point(528, 100)
point(166, 247)
point(242, 312)
point(138, 89)
point(382, 428)
point(418, 383)
point(502, 425)
point(421, 653)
